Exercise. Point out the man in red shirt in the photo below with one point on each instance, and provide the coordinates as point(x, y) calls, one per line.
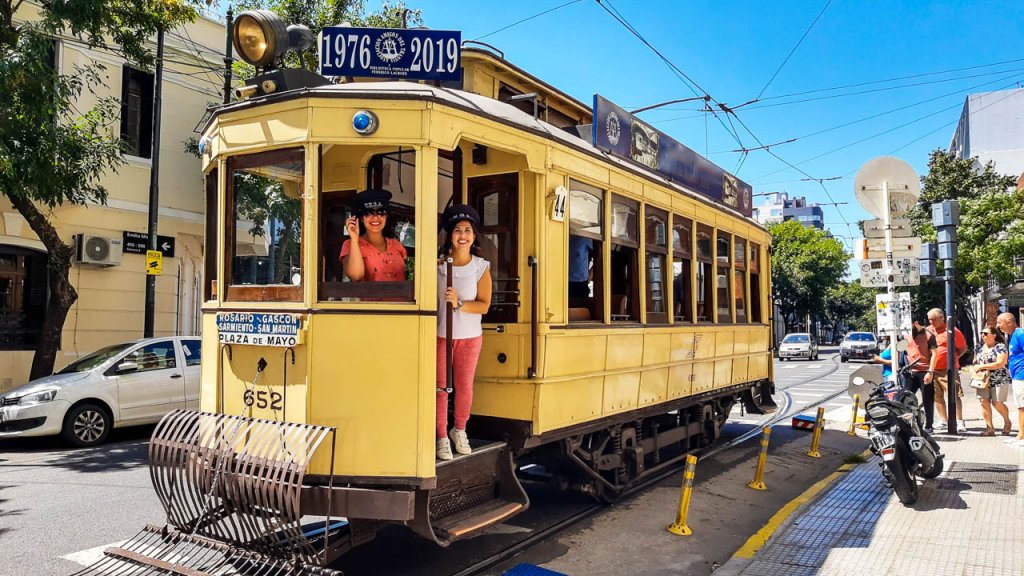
point(937, 368)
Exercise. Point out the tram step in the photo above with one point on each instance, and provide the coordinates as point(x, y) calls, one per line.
point(476, 518)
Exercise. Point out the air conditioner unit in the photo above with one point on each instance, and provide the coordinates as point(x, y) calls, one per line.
point(97, 250)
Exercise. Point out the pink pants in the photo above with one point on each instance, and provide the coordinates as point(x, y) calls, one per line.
point(464, 356)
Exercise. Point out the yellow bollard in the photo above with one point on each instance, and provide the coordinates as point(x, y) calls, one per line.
point(679, 527)
point(853, 418)
point(758, 482)
point(819, 423)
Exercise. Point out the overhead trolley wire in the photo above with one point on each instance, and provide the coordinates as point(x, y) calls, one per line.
point(788, 56)
point(528, 18)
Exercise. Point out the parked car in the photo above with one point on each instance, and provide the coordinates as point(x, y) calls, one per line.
point(798, 345)
point(120, 385)
point(858, 345)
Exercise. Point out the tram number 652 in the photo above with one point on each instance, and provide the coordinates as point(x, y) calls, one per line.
point(262, 399)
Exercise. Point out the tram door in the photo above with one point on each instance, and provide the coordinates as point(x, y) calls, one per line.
point(496, 198)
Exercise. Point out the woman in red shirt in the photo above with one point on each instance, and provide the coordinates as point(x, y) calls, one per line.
point(377, 256)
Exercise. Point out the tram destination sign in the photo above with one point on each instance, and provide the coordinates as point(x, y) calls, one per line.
point(391, 53)
point(620, 133)
point(258, 329)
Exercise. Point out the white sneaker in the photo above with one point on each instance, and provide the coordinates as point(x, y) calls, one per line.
point(461, 441)
point(962, 424)
point(444, 449)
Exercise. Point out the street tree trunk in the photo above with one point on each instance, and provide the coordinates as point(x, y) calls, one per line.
point(62, 294)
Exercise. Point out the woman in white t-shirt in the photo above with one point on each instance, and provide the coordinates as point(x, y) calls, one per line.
point(470, 297)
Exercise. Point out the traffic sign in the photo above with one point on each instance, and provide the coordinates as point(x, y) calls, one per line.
point(868, 248)
point(886, 174)
point(876, 228)
point(892, 316)
point(138, 243)
point(906, 272)
point(154, 262)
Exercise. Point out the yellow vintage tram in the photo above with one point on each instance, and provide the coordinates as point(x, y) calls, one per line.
point(603, 387)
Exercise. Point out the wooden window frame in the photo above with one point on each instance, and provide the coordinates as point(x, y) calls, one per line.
point(709, 275)
point(597, 318)
point(718, 265)
point(651, 248)
point(683, 254)
point(633, 308)
point(211, 248)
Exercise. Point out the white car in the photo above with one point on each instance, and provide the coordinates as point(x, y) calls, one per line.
point(120, 385)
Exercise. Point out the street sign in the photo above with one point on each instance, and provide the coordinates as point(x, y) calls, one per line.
point(893, 316)
point(886, 174)
point(876, 228)
point(407, 54)
point(906, 272)
point(867, 248)
point(138, 243)
point(154, 263)
point(1014, 299)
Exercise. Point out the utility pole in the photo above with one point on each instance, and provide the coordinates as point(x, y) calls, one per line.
point(228, 60)
point(154, 183)
point(945, 218)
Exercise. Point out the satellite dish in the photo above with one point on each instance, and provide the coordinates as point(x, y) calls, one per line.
point(904, 186)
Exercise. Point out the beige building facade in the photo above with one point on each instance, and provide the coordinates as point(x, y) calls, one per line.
point(111, 282)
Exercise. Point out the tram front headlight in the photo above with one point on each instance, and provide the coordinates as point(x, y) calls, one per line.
point(260, 37)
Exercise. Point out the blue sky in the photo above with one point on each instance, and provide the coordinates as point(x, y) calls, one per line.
point(732, 49)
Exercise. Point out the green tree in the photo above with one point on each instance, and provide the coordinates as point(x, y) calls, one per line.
point(991, 230)
point(806, 262)
point(852, 304)
point(52, 153)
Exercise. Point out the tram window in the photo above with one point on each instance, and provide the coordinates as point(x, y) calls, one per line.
point(682, 261)
point(755, 284)
point(739, 251)
point(496, 199)
point(656, 241)
point(210, 244)
point(265, 226)
point(723, 278)
point(586, 233)
point(625, 287)
point(704, 274)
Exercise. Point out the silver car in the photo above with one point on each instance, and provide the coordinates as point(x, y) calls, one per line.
point(120, 385)
point(798, 345)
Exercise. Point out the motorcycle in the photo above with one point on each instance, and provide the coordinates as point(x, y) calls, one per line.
point(897, 434)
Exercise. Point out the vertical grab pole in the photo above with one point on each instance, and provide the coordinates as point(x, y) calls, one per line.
point(853, 418)
point(758, 482)
point(679, 527)
point(819, 423)
point(449, 312)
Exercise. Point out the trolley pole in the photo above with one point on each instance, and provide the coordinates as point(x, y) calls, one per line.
point(819, 423)
point(758, 482)
point(154, 184)
point(679, 527)
point(853, 417)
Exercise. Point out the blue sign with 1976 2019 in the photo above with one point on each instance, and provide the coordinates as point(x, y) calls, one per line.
point(391, 53)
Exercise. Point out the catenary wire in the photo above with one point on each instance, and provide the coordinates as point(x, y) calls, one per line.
point(791, 52)
point(528, 18)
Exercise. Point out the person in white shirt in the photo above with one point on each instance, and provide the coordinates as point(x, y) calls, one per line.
point(470, 298)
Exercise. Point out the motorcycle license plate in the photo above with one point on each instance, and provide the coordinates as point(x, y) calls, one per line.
point(885, 444)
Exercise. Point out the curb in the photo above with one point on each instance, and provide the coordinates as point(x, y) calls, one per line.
point(745, 555)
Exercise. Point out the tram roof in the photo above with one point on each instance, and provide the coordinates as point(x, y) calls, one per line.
point(474, 103)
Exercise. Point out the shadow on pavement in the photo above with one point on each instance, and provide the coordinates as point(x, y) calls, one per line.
point(127, 448)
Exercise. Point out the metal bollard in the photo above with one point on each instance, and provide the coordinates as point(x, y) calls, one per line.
point(679, 527)
point(758, 482)
point(819, 423)
point(853, 418)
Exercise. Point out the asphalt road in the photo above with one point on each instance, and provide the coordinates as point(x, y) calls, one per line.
point(60, 507)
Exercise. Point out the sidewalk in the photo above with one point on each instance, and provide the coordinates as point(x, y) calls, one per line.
point(969, 520)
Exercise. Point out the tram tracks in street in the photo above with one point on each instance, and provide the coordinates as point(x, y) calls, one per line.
point(787, 410)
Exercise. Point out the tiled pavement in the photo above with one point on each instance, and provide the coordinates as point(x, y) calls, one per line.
point(969, 521)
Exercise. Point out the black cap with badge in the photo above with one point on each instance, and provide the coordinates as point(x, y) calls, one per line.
point(457, 213)
point(370, 200)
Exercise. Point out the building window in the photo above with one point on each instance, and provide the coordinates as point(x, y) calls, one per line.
point(625, 247)
point(704, 273)
point(723, 278)
point(586, 236)
point(682, 262)
point(137, 112)
point(739, 289)
point(23, 295)
point(656, 243)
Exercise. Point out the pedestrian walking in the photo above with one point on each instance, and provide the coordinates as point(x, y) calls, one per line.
point(991, 360)
point(1007, 323)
